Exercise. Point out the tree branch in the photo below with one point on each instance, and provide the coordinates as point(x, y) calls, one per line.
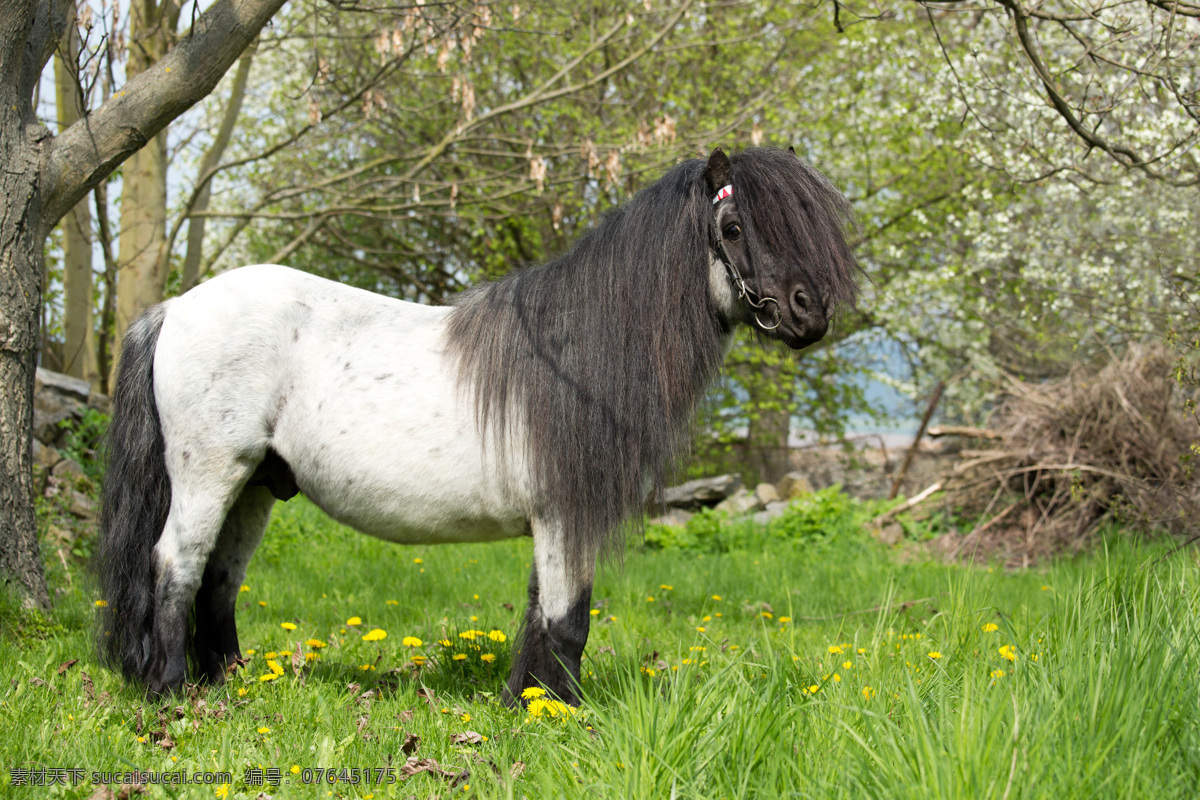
point(89, 150)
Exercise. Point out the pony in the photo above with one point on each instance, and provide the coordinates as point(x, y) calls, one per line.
point(549, 404)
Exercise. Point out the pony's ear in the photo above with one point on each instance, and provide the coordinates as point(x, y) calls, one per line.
point(718, 174)
point(791, 150)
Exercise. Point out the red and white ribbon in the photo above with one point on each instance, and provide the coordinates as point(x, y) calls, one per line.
point(726, 191)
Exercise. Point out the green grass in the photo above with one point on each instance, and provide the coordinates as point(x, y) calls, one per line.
point(1102, 699)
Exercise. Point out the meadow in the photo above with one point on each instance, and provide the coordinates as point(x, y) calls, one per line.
point(801, 660)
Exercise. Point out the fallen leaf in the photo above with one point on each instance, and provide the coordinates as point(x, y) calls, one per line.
point(411, 742)
point(87, 685)
point(102, 793)
point(428, 697)
point(516, 769)
point(405, 715)
point(354, 687)
point(36, 681)
point(166, 742)
point(297, 658)
point(466, 737)
point(66, 665)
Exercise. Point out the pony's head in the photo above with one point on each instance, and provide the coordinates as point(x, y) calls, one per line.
point(778, 230)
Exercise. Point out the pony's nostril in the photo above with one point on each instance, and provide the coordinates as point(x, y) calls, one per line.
point(801, 300)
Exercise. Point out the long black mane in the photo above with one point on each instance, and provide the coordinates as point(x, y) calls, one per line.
point(601, 357)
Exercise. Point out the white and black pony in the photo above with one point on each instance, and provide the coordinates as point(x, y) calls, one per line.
point(548, 404)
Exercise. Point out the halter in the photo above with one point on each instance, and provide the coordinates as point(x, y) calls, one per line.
point(752, 298)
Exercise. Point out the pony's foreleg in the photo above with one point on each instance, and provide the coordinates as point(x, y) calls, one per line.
point(179, 558)
point(556, 621)
point(215, 642)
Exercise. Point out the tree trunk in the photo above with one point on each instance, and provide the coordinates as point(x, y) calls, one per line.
point(212, 158)
point(144, 265)
point(767, 438)
point(21, 264)
point(79, 348)
point(43, 178)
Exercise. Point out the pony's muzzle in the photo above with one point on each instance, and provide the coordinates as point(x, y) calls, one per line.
point(809, 320)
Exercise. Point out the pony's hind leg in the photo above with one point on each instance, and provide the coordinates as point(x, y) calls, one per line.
point(556, 621)
point(200, 501)
point(215, 642)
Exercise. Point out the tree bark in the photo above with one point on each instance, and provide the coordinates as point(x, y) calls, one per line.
point(212, 158)
point(26, 41)
point(767, 437)
point(143, 227)
point(79, 347)
point(42, 178)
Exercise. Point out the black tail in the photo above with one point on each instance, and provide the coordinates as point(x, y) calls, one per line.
point(136, 499)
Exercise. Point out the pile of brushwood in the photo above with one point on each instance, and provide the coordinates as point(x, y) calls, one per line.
point(1060, 458)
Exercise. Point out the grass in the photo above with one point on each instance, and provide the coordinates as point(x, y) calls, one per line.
point(708, 674)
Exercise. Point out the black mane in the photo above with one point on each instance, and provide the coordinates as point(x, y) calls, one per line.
point(602, 356)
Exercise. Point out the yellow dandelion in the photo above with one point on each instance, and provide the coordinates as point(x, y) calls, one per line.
point(997, 673)
point(934, 654)
point(543, 707)
point(264, 730)
point(862, 651)
point(459, 656)
point(242, 691)
point(315, 644)
point(835, 650)
point(474, 619)
point(1045, 588)
point(262, 603)
point(375, 635)
point(295, 769)
point(595, 612)
point(288, 626)
point(814, 689)
point(223, 790)
point(533, 693)
point(990, 627)
point(837, 678)
point(268, 677)
point(274, 667)
point(868, 692)
point(393, 602)
point(847, 665)
point(1009, 652)
point(488, 657)
point(649, 599)
point(419, 660)
point(418, 561)
point(354, 621)
point(706, 618)
point(700, 629)
point(768, 615)
point(445, 643)
point(784, 620)
point(367, 667)
point(717, 597)
point(250, 652)
point(408, 641)
point(311, 656)
point(666, 587)
point(465, 717)
point(101, 604)
point(285, 653)
point(497, 636)
point(271, 655)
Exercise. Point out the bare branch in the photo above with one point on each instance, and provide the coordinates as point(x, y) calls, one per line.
point(89, 150)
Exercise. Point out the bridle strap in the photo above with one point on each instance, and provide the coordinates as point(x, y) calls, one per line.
point(755, 300)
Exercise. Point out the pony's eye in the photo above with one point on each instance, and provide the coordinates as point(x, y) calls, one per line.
point(733, 231)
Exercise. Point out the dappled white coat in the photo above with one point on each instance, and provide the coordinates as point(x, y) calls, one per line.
point(356, 392)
